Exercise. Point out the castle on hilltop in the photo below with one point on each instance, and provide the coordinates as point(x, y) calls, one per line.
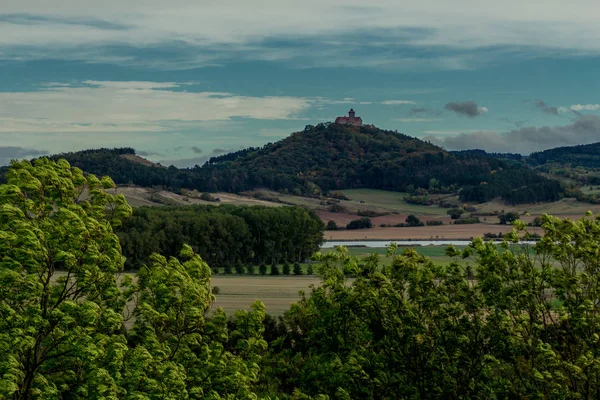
point(351, 119)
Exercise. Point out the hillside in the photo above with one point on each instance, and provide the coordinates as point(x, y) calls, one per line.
point(587, 155)
point(329, 157)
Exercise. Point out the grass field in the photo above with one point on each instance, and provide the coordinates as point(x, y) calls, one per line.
point(393, 201)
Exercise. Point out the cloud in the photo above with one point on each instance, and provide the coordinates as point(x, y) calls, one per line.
point(580, 107)
point(105, 106)
point(196, 149)
point(413, 119)
point(8, 153)
point(468, 108)
point(397, 102)
point(525, 140)
point(541, 105)
point(418, 110)
point(190, 33)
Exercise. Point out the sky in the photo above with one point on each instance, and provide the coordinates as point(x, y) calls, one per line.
point(183, 80)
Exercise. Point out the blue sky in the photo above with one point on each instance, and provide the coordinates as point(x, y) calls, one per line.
point(182, 80)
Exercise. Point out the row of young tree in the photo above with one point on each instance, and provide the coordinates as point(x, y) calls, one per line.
point(225, 236)
point(520, 324)
point(327, 157)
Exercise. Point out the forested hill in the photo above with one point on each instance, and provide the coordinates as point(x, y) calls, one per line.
point(587, 155)
point(327, 157)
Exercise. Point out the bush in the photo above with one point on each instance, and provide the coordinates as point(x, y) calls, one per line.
point(338, 195)
point(413, 220)
point(297, 269)
point(507, 218)
point(337, 208)
point(455, 213)
point(239, 269)
point(287, 269)
point(331, 226)
point(309, 270)
point(363, 223)
point(262, 269)
point(434, 222)
point(274, 270)
point(421, 200)
point(369, 213)
point(215, 290)
point(250, 270)
point(207, 197)
point(227, 270)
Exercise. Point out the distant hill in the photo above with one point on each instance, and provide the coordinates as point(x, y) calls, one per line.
point(328, 157)
point(587, 155)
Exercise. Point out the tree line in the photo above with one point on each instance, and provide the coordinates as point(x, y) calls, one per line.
point(224, 236)
point(514, 324)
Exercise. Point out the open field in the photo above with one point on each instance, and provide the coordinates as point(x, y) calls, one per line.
point(392, 201)
point(277, 292)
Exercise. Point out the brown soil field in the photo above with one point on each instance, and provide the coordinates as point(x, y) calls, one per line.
point(421, 232)
point(342, 219)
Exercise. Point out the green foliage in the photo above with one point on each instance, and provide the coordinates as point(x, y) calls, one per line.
point(413, 220)
point(363, 223)
point(519, 324)
point(250, 270)
point(274, 270)
point(287, 269)
point(297, 269)
point(508, 217)
point(331, 226)
point(63, 303)
point(262, 269)
point(455, 213)
point(223, 235)
point(434, 222)
point(467, 220)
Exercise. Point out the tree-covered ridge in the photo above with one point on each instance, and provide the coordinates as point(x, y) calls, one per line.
point(587, 155)
point(328, 157)
point(225, 236)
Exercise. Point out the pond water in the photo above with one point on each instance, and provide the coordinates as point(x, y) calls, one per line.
point(384, 243)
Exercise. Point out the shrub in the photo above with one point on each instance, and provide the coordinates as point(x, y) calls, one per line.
point(287, 269)
point(413, 220)
point(309, 270)
point(239, 269)
point(363, 223)
point(331, 226)
point(434, 222)
point(455, 213)
point(338, 195)
point(227, 270)
point(297, 269)
point(337, 208)
point(274, 270)
point(216, 290)
point(250, 270)
point(262, 269)
point(509, 217)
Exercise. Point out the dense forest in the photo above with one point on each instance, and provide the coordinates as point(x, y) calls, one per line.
point(517, 323)
point(327, 157)
point(587, 155)
point(225, 236)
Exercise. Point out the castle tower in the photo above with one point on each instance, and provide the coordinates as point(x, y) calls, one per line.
point(351, 114)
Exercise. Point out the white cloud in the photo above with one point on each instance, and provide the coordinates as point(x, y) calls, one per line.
point(397, 102)
point(94, 31)
point(105, 106)
point(585, 107)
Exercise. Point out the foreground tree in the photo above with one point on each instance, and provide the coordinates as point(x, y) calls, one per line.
point(60, 318)
point(64, 305)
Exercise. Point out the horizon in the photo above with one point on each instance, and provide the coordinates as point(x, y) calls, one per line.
point(183, 83)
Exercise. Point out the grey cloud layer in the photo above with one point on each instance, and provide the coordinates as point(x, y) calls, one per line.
point(467, 108)
point(525, 140)
point(541, 105)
